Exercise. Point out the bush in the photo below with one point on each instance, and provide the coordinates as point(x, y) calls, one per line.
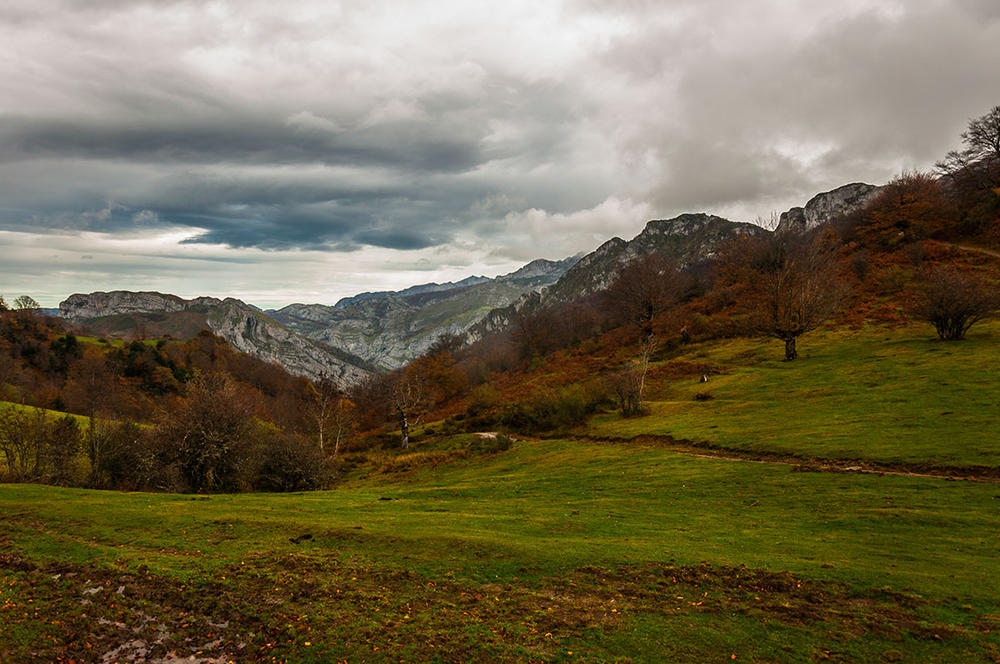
point(501, 443)
point(548, 410)
point(213, 436)
point(290, 463)
point(954, 301)
point(484, 399)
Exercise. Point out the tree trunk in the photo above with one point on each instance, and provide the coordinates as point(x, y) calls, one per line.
point(790, 352)
point(404, 430)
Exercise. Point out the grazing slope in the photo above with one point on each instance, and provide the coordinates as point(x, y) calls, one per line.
point(895, 396)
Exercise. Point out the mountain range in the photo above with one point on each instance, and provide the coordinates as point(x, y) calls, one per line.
point(378, 331)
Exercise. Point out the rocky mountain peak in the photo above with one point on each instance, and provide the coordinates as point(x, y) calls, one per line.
point(826, 206)
point(114, 303)
point(685, 224)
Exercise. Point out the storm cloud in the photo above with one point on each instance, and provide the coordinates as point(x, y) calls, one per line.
point(446, 138)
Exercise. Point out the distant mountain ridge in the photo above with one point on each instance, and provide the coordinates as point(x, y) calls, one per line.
point(391, 328)
point(432, 287)
point(244, 326)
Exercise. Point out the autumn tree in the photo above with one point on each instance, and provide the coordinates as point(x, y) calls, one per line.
point(954, 301)
point(789, 283)
point(446, 343)
point(909, 208)
point(644, 288)
point(439, 368)
point(91, 389)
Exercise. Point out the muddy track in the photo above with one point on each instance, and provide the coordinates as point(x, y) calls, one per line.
point(986, 474)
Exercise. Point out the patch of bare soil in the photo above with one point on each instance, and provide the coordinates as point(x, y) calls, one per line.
point(267, 608)
point(88, 614)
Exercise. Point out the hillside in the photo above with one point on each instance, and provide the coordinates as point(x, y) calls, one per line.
point(692, 240)
point(554, 550)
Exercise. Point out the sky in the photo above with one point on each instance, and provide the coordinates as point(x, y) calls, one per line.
point(303, 151)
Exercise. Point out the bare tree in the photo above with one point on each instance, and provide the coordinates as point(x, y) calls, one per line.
point(324, 394)
point(791, 284)
point(979, 162)
point(408, 399)
point(954, 301)
point(343, 421)
point(629, 383)
point(644, 288)
point(27, 304)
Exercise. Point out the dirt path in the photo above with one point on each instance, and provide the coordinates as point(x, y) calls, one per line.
point(976, 250)
point(986, 474)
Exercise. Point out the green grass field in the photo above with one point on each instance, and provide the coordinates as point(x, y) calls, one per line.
point(616, 553)
point(566, 550)
point(81, 420)
point(877, 394)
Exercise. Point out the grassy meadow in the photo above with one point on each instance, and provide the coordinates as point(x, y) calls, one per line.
point(890, 395)
point(568, 550)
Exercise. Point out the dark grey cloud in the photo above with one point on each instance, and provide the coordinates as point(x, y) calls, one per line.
point(426, 146)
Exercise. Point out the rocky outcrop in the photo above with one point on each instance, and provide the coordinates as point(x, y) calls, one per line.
point(826, 207)
point(114, 303)
point(254, 332)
